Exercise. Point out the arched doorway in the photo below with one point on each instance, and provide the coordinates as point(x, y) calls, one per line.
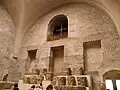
point(112, 79)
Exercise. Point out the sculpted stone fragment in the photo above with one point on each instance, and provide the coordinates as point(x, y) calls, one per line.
point(62, 81)
point(78, 71)
point(33, 80)
point(37, 71)
point(71, 81)
point(49, 76)
point(102, 86)
point(5, 77)
point(82, 81)
point(40, 79)
point(66, 71)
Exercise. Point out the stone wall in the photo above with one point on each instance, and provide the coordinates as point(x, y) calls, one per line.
point(86, 23)
point(7, 33)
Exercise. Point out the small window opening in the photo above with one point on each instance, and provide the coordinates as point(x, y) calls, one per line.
point(32, 54)
point(58, 28)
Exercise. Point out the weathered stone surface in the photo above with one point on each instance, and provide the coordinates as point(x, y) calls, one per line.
point(86, 23)
point(82, 81)
point(69, 88)
point(66, 71)
point(61, 81)
point(71, 81)
point(102, 86)
point(7, 37)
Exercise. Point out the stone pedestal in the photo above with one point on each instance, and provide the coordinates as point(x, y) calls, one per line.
point(66, 71)
point(70, 88)
point(73, 82)
point(5, 85)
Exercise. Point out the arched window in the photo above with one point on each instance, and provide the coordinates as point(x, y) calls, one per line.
point(112, 79)
point(58, 28)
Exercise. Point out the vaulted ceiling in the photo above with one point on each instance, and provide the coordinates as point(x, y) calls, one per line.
point(25, 12)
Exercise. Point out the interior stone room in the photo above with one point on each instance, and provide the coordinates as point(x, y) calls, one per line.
point(69, 44)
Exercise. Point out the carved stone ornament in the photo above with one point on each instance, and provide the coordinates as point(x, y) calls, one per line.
point(69, 88)
point(44, 71)
point(28, 80)
point(58, 87)
point(40, 79)
point(66, 71)
point(37, 71)
point(61, 88)
point(81, 71)
point(62, 81)
point(78, 71)
point(6, 85)
point(71, 81)
point(33, 79)
point(54, 80)
point(49, 76)
point(77, 88)
point(102, 86)
point(82, 81)
point(5, 77)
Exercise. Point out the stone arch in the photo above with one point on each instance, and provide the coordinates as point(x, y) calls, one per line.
point(104, 70)
point(114, 73)
point(112, 79)
point(109, 70)
point(58, 25)
point(86, 2)
point(93, 5)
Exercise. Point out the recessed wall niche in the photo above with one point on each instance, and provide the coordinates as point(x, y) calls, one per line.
point(32, 54)
point(30, 63)
point(57, 59)
point(92, 55)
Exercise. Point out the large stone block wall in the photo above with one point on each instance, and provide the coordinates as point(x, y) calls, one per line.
point(7, 33)
point(83, 20)
point(86, 23)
